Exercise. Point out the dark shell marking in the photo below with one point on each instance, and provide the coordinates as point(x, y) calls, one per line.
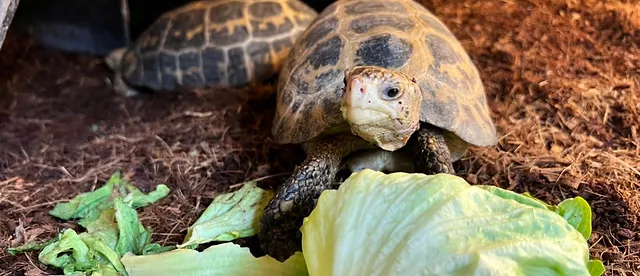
point(226, 12)
point(270, 29)
point(264, 9)
point(326, 77)
point(384, 50)
point(168, 79)
point(185, 31)
point(400, 35)
point(221, 43)
point(153, 41)
point(190, 66)
point(321, 31)
point(326, 53)
point(212, 69)
point(236, 67)
point(442, 51)
point(261, 60)
point(228, 35)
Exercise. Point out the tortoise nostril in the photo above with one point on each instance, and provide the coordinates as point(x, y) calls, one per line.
point(357, 84)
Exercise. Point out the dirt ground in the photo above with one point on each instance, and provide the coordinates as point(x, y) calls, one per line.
point(562, 79)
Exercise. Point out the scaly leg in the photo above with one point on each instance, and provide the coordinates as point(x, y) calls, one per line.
point(431, 154)
point(121, 88)
point(280, 225)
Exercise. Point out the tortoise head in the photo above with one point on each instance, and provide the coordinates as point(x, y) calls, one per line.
point(121, 60)
point(381, 105)
point(114, 58)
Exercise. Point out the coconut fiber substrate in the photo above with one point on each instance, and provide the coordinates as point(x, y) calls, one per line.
point(561, 77)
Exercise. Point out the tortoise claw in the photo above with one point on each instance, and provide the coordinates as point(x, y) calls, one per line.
point(280, 225)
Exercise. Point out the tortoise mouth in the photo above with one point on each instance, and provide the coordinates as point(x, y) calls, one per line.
point(365, 116)
point(377, 126)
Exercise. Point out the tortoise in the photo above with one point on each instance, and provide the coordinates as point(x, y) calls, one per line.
point(369, 78)
point(224, 43)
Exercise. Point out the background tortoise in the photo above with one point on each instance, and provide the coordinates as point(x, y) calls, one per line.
point(224, 43)
point(371, 74)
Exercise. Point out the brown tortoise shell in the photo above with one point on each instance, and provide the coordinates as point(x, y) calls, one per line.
point(397, 34)
point(223, 43)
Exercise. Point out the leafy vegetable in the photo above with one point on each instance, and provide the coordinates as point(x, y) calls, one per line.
point(577, 213)
point(81, 253)
point(410, 224)
point(88, 205)
point(230, 216)
point(223, 259)
point(112, 229)
point(399, 223)
point(596, 267)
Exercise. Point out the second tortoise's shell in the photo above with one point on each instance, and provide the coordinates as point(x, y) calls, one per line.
point(224, 43)
point(400, 35)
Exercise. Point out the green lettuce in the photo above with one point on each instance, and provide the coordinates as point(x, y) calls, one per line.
point(87, 206)
point(230, 216)
point(223, 259)
point(374, 224)
point(416, 224)
point(112, 229)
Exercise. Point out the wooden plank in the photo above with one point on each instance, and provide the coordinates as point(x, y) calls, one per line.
point(7, 11)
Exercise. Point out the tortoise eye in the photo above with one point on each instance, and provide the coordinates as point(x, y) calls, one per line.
point(391, 93)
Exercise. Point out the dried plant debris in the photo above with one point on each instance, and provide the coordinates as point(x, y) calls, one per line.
point(562, 82)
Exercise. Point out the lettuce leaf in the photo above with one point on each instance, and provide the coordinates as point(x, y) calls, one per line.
point(223, 259)
point(416, 224)
point(82, 253)
point(87, 206)
point(576, 211)
point(112, 229)
point(230, 216)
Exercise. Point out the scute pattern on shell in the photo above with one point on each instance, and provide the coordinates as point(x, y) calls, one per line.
point(398, 34)
point(224, 43)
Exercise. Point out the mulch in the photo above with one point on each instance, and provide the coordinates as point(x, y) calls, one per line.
point(561, 78)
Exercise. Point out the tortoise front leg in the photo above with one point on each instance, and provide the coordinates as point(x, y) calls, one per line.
point(121, 88)
point(430, 152)
point(280, 225)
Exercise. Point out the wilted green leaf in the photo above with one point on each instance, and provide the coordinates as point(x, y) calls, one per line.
point(112, 229)
point(80, 253)
point(108, 258)
point(86, 204)
point(139, 199)
point(230, 216)
point(132, 234)
point(104, 227)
